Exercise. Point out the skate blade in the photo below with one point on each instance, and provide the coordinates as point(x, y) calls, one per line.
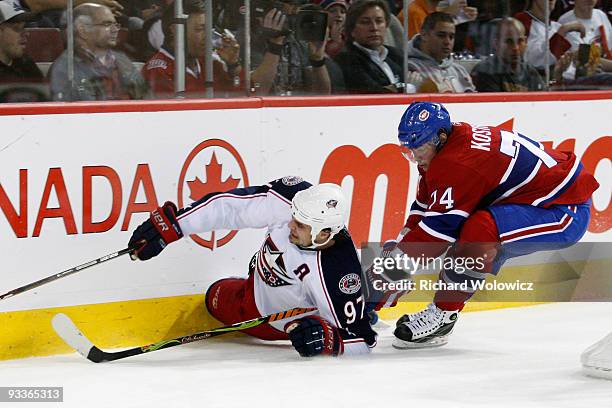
point(597, 372)
point(433, 343)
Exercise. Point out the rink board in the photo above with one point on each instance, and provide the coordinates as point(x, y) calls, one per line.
point(77, 178)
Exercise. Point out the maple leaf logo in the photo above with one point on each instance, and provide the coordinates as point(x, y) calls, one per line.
point(213, 183)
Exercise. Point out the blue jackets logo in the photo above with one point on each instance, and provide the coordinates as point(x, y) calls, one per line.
point(350, 284)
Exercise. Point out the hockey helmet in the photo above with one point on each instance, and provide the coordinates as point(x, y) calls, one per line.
point(321, 206)
point(422, 122)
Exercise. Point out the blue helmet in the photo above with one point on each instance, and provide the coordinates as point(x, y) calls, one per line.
point(422, 123)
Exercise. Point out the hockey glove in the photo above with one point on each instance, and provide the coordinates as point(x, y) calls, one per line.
point(381, 287)
point(152, 236)
point(314, 335)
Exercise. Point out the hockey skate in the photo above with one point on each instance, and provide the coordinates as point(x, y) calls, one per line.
point(597, 359)
point(427, 328)
point(410, 317)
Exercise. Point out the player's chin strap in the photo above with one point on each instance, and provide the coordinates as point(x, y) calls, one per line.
point(317, 246)
point(313, 237)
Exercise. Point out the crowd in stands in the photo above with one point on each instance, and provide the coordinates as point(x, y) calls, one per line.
point(126, 49)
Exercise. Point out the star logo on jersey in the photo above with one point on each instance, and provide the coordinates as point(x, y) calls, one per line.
point(271, 266)
point(212, 166)
point(331, 204)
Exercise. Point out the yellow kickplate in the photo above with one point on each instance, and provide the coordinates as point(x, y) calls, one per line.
point(108, 325)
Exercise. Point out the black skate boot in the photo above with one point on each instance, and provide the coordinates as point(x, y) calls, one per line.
point(414, 316)
point(430, 329)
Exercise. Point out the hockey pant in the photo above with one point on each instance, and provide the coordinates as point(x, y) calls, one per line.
point(507, 231)
point(232, 300)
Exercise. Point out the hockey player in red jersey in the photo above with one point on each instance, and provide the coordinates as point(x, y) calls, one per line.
point(307, 259)
point(485, 193)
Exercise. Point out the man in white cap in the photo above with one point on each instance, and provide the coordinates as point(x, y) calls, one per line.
point(15, 66)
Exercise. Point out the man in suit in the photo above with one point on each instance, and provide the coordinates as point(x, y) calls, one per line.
point(367, 64)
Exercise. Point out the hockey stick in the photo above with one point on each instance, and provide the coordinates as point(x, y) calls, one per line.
point(65, 273)
point(71, 334)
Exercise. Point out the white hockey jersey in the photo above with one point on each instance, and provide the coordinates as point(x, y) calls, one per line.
point(285, 275)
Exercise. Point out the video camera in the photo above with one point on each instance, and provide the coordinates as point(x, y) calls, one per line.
point(306, 25)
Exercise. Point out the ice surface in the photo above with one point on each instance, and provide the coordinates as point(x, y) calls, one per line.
point(524, 357)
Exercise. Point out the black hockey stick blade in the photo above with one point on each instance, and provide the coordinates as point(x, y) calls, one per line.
point(65, 273)
point(70, 333)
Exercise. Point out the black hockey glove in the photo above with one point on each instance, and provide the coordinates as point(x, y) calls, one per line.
point(152, 236)
point(314, 335)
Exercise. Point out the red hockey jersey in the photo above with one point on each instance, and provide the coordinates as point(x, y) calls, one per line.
point(485, 165)
point(159, 73)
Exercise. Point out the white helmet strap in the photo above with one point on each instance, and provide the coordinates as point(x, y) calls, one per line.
point(314, 234)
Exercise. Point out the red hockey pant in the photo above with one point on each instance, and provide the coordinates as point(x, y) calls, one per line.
point(232, 300)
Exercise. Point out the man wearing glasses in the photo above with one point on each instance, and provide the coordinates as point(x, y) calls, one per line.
point(100, 73)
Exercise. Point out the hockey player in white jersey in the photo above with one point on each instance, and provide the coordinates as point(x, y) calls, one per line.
point(307, 259)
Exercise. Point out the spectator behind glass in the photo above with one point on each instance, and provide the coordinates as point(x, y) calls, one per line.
point(429, 55)
point(506, 70)
point(15, 66)
point(285, 65)
point(159, 70)
point(598, 29)
point(533, 20)
point(336, 11)
point(367, 64)
point(336, 78)
point(597, 72)
point(100, 73)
